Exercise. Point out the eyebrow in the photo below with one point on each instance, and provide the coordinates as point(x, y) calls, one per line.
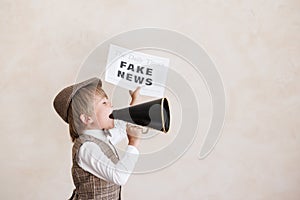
point(103, 99)
point(100, 99)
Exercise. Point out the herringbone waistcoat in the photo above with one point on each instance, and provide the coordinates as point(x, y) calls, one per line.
point(87, 185)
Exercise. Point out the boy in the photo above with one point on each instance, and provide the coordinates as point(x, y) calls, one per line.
point(97, 170)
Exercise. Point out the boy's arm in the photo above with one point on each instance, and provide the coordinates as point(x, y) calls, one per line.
point(93, 160)
point(120, 130)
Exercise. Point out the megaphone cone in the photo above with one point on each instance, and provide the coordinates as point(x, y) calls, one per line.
point(154, 114)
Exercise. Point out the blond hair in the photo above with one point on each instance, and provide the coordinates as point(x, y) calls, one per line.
point(82, 103)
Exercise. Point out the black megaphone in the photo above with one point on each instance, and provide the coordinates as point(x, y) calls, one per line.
point(154, 114)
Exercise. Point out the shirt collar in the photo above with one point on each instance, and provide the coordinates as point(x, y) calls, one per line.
point(99, 134)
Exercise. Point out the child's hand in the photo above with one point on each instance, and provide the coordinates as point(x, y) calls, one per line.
point(135, 95)
point(133, 134)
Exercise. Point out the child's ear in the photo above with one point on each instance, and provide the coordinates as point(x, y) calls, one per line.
point(86, 119)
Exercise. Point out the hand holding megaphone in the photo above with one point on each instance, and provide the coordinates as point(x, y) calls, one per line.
point(135, 95)
point(133, 134)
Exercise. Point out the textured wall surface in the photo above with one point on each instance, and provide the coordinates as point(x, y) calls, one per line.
point(255, 45)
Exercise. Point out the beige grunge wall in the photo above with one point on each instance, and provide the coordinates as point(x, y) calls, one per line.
point(255, 45)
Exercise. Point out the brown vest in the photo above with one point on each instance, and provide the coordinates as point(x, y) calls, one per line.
point(87, 185)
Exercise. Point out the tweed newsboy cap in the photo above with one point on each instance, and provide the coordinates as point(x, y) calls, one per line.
point(63, 99)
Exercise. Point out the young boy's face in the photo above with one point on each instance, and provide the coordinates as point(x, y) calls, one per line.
point(103, 109)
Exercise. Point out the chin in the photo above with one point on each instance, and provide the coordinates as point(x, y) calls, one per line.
point(112, 125)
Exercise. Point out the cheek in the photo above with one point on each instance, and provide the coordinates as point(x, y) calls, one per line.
point(103, 118)
point(100, 116)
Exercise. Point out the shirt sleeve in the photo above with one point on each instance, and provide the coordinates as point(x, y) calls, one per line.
point(118, 132)
point(92, 159)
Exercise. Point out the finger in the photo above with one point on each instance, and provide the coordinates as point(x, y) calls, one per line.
point(146, 130)
point(135, 129)
point(131, 126)
point(137, 90)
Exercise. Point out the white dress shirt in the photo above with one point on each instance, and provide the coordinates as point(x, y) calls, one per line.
point(92, 159)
